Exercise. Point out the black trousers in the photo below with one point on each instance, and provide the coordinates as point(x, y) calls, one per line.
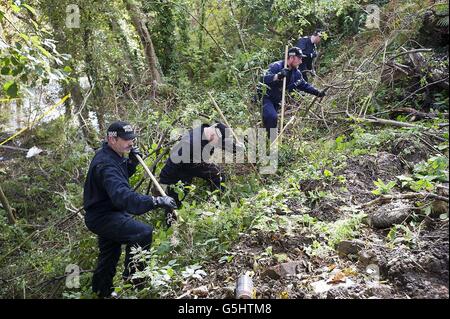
point(171, 175)
point(113, 230)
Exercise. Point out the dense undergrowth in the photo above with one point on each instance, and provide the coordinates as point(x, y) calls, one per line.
point(313, 193)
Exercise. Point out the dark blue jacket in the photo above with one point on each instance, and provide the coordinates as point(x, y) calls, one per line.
point(309, 49)
point(294, 81)
point(106, 189)
point(173, 172)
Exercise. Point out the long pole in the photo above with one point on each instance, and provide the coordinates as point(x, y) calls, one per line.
point(155, 181)
point(223, 116)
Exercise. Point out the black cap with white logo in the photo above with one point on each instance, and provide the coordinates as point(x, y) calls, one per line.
point(121, 129)
point(221, 130)
point(296, 51)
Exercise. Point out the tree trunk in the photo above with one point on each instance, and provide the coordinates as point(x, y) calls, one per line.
point(7, 208)
point(238, 27)
point(202, 22)
point(138, 20)
point(82, 112)
point(94, 81)
point(122, 40)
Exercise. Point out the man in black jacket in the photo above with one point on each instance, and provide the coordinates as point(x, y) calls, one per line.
point(273, 78)
point(191, 158)
point(110, 204)
point(309, 49)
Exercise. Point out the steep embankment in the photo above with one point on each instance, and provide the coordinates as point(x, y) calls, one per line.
point(360, 208)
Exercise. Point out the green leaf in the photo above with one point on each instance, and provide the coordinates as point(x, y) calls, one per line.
point(391, 184)
point(281, 257)
point(24, 36)
point(44, 52)
point(170, 272)
point(11, 88)
point(5, 70)
point(327, 173)
point(5, 61)
point(379, 183)
point(17, 70)
point(405, 178)
point(29, 8)
point(67, 69)
point(376, 192)
point(15, 8)
point(36, 26)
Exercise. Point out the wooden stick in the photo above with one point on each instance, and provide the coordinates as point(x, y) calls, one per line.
point(281, 133)
point(411, 51)
point(155, 181)
point(283, 94)
point(14, 148)
point(314, 101)
point(223, 116)
point(7, 208)
point(423, 195)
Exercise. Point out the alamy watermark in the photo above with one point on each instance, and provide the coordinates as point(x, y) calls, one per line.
point(72, 276)
point(373, 271)
point(72, 16)
point(373, 16)
point(239, 146)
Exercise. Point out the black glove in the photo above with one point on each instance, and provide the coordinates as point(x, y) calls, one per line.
point(134, 151)
point(165, 202)
point(321, 93)
point(282, 74)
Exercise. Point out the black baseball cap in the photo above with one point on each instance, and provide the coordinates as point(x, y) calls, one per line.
point(221, 128)
point(121, 129)
point(318, 32)
point(296, 51)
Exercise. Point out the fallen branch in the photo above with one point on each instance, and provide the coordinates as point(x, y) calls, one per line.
point(422, 195)
point(397, 123)
point(411, 51)
point(38, 232)
point(14, 148)
point(386, 122)
point(45, 283)
point(314, 101)
point(410, 112)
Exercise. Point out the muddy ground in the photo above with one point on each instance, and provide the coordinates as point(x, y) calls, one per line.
point(413, 265)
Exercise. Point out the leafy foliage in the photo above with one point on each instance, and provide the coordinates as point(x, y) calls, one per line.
point(202, 46)
point(29, 57)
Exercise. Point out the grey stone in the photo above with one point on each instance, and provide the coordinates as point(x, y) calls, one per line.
point(385, 216)
point(349, 247)
point(283, 270)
